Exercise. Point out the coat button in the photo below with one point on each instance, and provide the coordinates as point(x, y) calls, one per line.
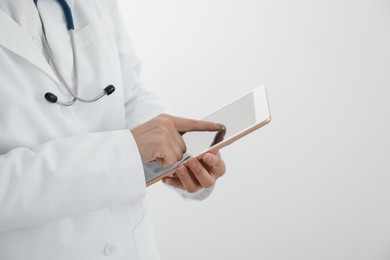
point(35, 39)
point(110, 249)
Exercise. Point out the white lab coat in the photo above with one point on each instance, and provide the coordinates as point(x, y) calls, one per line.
point(71, 178)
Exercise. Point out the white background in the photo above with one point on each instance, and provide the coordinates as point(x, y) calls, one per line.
point(314, 184)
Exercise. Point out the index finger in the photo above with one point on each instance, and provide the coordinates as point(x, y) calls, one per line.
point(187, 125)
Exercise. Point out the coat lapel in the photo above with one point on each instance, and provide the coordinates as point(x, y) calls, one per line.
point(15, 39)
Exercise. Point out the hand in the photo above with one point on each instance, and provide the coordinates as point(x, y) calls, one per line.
point(159, 139)
point(196, 174)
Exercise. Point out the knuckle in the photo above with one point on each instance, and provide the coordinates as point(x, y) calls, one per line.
point(160, 141)
point(208, 184)
point(222, 172)
point(163, 131)
point(158, 155)
point(192, 189)
point(163, 115)
point(159, 121)
point(185, 176)
point(168, 161)
point(193, 124)
point(194, 167)
point(166, 122)
point(212, 161)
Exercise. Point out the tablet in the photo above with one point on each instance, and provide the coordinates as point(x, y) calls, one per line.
point(240, 117)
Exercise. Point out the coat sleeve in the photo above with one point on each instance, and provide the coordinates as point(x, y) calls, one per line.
point(68, 177)
point(140, 103)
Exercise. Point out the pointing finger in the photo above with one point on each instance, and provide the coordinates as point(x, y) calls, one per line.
point(187, 125)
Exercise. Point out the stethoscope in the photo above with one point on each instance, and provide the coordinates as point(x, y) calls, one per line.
point(52, 98)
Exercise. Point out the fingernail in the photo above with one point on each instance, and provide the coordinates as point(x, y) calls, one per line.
point(221, 126)
point(180, 170)
point(191, 163)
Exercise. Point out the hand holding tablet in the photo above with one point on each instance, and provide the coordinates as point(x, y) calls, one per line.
point(241, 117)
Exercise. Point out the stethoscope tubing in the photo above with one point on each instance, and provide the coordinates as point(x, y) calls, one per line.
point(50, 97)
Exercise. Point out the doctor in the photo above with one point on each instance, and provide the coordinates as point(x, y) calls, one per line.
point(71, 175)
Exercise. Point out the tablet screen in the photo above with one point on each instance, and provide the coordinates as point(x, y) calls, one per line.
point(236, 117)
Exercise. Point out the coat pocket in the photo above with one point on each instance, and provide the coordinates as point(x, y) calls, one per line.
point(93, 31)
